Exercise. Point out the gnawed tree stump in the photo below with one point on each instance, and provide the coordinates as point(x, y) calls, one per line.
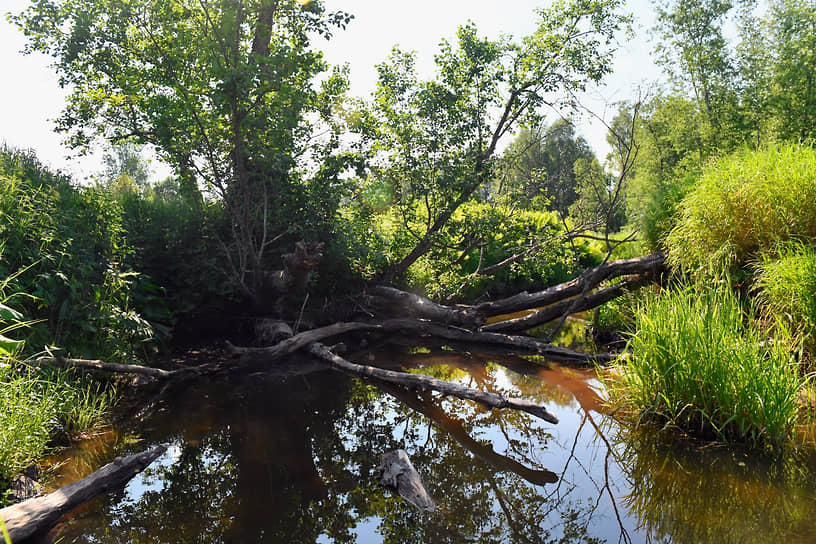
point(396, 472)
point(40, 514)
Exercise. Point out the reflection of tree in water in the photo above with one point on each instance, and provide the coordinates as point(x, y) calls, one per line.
point(686, 492)
point(290, 460)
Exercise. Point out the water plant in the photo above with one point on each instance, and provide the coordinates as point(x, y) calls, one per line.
point(699, 363)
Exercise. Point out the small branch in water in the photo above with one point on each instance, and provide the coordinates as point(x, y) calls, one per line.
point(418, 381)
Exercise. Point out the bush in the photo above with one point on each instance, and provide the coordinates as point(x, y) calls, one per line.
point(787, 290)
point(695, 365)
point(746, 204)
point(69, 241)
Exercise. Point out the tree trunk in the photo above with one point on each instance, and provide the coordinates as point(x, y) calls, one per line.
point(40, 514)
point(396, 472)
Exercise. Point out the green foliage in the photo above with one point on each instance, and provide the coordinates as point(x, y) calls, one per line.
point(70, 246)
point(697, 366)
point(542, 162)
point(233, 110)
point(746, 204)
point(787, 288)
point(435, 140)
point(36, 405)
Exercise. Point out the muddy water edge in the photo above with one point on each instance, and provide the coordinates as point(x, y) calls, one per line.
point(290, 455)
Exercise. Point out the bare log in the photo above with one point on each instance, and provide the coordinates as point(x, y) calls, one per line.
point(418, 381)
point(523, 301)
point(568, 306)
point(95, 364)
point(400, 302)
point(396, 472)
point(40, 514)
point(301, 340)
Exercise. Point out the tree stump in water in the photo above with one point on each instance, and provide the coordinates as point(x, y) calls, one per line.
point(396, 472)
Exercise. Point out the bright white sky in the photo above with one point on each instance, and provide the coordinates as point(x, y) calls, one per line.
point(30, 97)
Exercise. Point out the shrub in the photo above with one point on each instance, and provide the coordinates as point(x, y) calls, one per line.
point(787, 290)
point(745, 204)
point(695, 365)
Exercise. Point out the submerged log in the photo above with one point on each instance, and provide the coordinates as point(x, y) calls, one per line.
point(418, 381)
point(396, 472)
point(40, 514)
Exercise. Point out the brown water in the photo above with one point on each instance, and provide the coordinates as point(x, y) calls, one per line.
point(290, 458)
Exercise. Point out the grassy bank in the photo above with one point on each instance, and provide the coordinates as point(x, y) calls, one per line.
point(696, 363)
point(38, 407)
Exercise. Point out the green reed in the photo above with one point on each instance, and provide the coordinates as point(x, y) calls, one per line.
point(696, 365)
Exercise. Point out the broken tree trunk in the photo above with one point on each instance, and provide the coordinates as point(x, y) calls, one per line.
point(650, 264)
point(396, 472)
point(418, 381)
point(40, 514)
point(570, 306)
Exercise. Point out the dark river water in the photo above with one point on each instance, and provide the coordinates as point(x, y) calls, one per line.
point(289, 456)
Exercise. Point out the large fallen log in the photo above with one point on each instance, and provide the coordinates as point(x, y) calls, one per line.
point(418, 381)
point(40, 514)
point(530, 345)
point(396, 302)
point(572, 306)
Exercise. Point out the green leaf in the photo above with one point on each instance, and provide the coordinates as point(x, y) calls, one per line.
point(9, 314)
point(10, 347)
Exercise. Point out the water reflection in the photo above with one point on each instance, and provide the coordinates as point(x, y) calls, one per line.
point(291, 457)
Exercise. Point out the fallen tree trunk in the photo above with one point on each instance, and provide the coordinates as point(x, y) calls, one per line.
point(40, 514)
point(592, 277)
point(394, 301)
point(418, 381)
point(568, 306)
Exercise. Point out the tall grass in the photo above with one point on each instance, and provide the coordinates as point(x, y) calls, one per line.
point(37, 406)
point(787, 289)
point(745, 204)
point(696, 365)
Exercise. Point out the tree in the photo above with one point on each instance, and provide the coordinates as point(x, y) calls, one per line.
point(125, 160)
point(542, 162)
point(435, 142)
point(695, 54)
point(221, 88)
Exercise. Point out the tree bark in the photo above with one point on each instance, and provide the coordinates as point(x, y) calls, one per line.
point(394, 301)
point(103, 366)
point(418, 381)
point(40, 514)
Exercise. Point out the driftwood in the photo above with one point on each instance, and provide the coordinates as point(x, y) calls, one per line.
point(396, 472)
point(40, 514)
point(418, 381)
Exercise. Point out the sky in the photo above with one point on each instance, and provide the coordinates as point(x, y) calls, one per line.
point(30, 97)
